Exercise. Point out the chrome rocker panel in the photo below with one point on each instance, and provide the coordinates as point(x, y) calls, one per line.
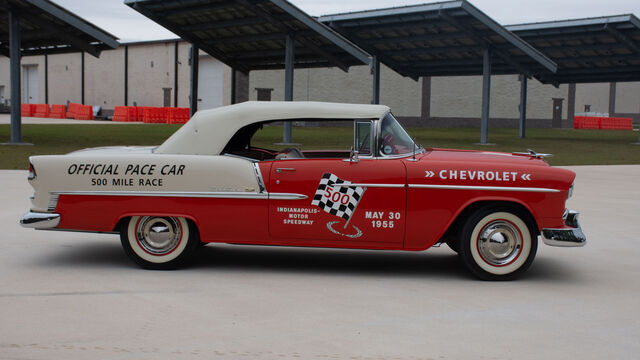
point(572, 237)
point(35, 220)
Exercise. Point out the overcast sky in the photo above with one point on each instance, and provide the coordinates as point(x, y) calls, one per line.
point(128, 25)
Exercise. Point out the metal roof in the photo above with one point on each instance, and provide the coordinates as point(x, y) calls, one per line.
point(439, 39)
point(601, 49)
point(250, 34)
point(49, 29)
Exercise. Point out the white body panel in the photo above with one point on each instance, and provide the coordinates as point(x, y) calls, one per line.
point(107, 171)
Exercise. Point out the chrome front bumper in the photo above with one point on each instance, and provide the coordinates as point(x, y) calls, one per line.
point(571, 236)
point(35, 220)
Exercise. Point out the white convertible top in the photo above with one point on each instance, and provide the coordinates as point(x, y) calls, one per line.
point(209, 131)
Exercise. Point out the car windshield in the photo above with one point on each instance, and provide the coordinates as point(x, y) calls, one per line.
point(394, 140)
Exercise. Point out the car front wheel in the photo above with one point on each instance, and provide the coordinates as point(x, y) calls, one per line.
point(159, 243)
point(498, 243)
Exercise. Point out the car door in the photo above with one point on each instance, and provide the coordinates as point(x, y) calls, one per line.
point(339, 201)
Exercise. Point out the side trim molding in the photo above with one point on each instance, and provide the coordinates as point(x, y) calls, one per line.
point(488, 188)
point(370, 185)
point(212, 194)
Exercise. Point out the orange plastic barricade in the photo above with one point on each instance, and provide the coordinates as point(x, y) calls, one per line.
point(616, 124)
point(26, 110)
point(178, 115)
point(120, 114)
point(586, 122)
point(132, 113)
point(84, 112)
point(140, 112)
point(57, 112)
point(155, 115)
point(72, 110)
point(41, 110)
point(604, 123)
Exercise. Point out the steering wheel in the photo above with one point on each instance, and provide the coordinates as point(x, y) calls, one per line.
point(386, 145)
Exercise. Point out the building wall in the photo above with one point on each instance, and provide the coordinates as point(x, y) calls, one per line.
point(65, 78)
point(596, 95)
point(403, 95)
point(451, 97)
point(628, 98)
point(184, 74)
point(150, 70)
point(5, 81)
point(104, 79)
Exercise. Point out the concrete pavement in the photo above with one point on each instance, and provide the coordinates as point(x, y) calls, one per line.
point(76, 296)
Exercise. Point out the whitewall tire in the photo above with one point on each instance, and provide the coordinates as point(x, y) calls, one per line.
point(159, 243)
point(498, 243)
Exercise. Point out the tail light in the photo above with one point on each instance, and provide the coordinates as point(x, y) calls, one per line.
point(32, 172)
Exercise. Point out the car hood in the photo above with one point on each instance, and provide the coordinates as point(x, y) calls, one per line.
point(106, 150)
point(478, 156)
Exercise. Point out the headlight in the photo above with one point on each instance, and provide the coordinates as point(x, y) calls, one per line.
point(570, 191)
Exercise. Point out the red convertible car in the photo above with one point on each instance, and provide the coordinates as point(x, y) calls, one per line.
point(220, 179)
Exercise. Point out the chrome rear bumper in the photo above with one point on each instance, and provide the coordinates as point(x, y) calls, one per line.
point(570, 236)
point(34, 220)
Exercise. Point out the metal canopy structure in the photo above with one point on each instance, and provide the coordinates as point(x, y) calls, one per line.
point(35, 27)
point(603, 49)
point(439, 39)
point(251, 35)
point(47, 28)
point(451, 38)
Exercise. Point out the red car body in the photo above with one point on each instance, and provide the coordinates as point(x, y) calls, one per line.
point(408, 201)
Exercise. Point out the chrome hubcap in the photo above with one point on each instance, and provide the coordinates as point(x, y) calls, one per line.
point(158, 236)
point(499, 242)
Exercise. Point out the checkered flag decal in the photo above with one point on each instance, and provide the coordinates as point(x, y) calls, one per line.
point(337, 208)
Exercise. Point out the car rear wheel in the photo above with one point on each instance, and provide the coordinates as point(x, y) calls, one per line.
point(498, 243)
point(159, 243)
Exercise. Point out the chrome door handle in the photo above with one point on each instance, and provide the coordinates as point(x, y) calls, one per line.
point(279, 170)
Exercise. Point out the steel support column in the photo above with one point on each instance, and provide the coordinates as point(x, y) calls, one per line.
point(82, 77)
point(375, 69)
point(46, 79)
point(486, 96)
point(193, 100)
point(126, 75)
point(289, 60)
point(233, 86)
point(571, 106)
point(175, 74)
point(612, 99)
point(14, 49)
point(523, 106)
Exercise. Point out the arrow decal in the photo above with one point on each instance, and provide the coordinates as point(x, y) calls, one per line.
point(429, 174)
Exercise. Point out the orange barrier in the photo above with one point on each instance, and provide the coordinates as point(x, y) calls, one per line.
point(57, 112)
point(140, 112)
point(120, 114)
point(177, 115)
point(155, 115)
point(616, 124)
point(132, 113)
point(41, 110)
point(71, 111)
point(26, 110)
point(603, 123)
point(84, 112)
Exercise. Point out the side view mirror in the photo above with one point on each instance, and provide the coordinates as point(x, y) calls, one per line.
point(353, 157)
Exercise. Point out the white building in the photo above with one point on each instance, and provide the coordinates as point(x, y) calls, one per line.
point(157, 73)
